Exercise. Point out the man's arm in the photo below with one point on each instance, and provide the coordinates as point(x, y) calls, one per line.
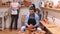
point(37, 20)
point(10, 8)
point(19, 6)
point(26, 20)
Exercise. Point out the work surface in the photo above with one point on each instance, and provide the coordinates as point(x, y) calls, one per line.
point(51, 27)
point(7, 31)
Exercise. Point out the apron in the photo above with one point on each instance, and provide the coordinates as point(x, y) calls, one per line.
point(31, 20)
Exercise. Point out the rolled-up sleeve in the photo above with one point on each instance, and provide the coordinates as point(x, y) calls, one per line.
point(26, 20)
point(37, 20)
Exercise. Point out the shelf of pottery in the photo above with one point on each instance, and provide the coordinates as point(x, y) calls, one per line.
point(6, 4)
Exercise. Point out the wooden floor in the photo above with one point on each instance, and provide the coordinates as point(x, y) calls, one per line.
point(7, 31)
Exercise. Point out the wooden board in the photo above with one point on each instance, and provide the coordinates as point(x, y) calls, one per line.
point(51, 27)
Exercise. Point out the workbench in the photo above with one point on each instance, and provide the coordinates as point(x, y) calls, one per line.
point(51, 27)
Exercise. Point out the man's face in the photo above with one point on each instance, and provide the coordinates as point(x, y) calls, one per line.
point(31, 12)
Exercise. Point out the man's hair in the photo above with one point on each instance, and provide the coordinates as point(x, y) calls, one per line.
point(31, 8)
point(34, 5)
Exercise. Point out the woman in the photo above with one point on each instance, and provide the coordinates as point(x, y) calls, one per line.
point(14, 6)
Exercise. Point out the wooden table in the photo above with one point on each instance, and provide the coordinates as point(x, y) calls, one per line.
point(51, 27)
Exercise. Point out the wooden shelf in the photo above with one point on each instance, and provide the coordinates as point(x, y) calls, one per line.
point(26, 3)
point(7, 4)
point(51, 9)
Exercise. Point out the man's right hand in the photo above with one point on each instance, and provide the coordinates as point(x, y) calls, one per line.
point(30, 26)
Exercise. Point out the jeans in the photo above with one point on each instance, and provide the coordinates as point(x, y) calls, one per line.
point(16, 21)
point(42, 15)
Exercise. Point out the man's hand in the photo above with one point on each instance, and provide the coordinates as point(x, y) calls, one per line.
point(30, 26)
point(34, 26)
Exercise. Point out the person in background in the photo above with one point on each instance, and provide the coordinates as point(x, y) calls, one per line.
point(42, 11)
point(32, 20)
point(38, 12)
point(14, 6)
point(41, 4)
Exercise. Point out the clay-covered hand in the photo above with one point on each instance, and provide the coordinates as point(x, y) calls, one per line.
point(30, 26)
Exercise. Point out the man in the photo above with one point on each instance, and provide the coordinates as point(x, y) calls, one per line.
point(14, 6)
point(32, 20)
